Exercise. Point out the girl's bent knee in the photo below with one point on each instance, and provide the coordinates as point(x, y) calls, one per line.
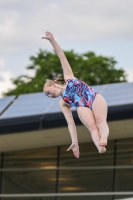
point(92, 127)
point(100, 121)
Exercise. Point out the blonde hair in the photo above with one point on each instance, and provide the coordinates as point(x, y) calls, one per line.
point(50, 82)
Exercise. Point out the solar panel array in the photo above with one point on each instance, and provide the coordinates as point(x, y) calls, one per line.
point(37, 103)
point(31, 104)
point(116, 93)
point(4, 102)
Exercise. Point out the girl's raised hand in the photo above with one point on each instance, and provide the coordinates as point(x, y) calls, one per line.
point(49, 36)
point(75, 148)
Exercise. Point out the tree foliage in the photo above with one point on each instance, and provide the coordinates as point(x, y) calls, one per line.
point(89, 67)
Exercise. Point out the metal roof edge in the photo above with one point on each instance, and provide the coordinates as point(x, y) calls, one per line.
point(56, 120)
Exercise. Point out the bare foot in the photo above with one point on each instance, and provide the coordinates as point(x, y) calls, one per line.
point(102, 149)
point(103, 141)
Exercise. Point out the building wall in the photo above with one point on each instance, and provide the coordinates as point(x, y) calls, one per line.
point(53, 170)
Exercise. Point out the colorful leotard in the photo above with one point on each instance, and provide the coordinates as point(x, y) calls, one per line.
point(78, 93)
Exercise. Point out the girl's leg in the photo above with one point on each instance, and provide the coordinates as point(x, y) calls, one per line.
point(99, 108)
point(87, 118)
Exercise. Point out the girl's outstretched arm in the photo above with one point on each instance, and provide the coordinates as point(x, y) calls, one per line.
point(67, 71)
point(72, 128)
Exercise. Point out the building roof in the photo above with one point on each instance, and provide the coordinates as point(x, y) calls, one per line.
point(36, 111)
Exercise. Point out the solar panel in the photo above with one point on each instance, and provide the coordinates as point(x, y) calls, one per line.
point(37, 103)
point(31, 104)
point(4, 102)
point(116, 93)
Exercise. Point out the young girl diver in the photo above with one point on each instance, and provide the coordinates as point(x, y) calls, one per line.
point(91, 106)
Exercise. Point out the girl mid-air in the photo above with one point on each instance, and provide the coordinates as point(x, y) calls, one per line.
point(91, 106)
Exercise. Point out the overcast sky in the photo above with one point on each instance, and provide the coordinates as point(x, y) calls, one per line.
point(102, 26)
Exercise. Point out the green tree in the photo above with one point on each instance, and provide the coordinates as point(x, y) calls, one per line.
point(89, 67)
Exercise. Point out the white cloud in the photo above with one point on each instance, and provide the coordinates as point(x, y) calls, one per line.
point(5, 84)
point(129, 71)
point(22, 23)
point(5, 76)
point(2, 63)
point(6, 2)
point(8, 23)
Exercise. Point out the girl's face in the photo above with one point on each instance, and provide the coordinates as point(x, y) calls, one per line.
point(52, 91)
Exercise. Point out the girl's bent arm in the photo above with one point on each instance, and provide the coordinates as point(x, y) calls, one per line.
point(72, 128)
point(69, 118)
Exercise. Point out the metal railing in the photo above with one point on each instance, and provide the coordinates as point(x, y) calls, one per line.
point(67, 194)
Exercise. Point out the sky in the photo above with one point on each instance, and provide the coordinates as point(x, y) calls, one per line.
point(102, 26)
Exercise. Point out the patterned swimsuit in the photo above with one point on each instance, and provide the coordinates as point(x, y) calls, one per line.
point(78, 93)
